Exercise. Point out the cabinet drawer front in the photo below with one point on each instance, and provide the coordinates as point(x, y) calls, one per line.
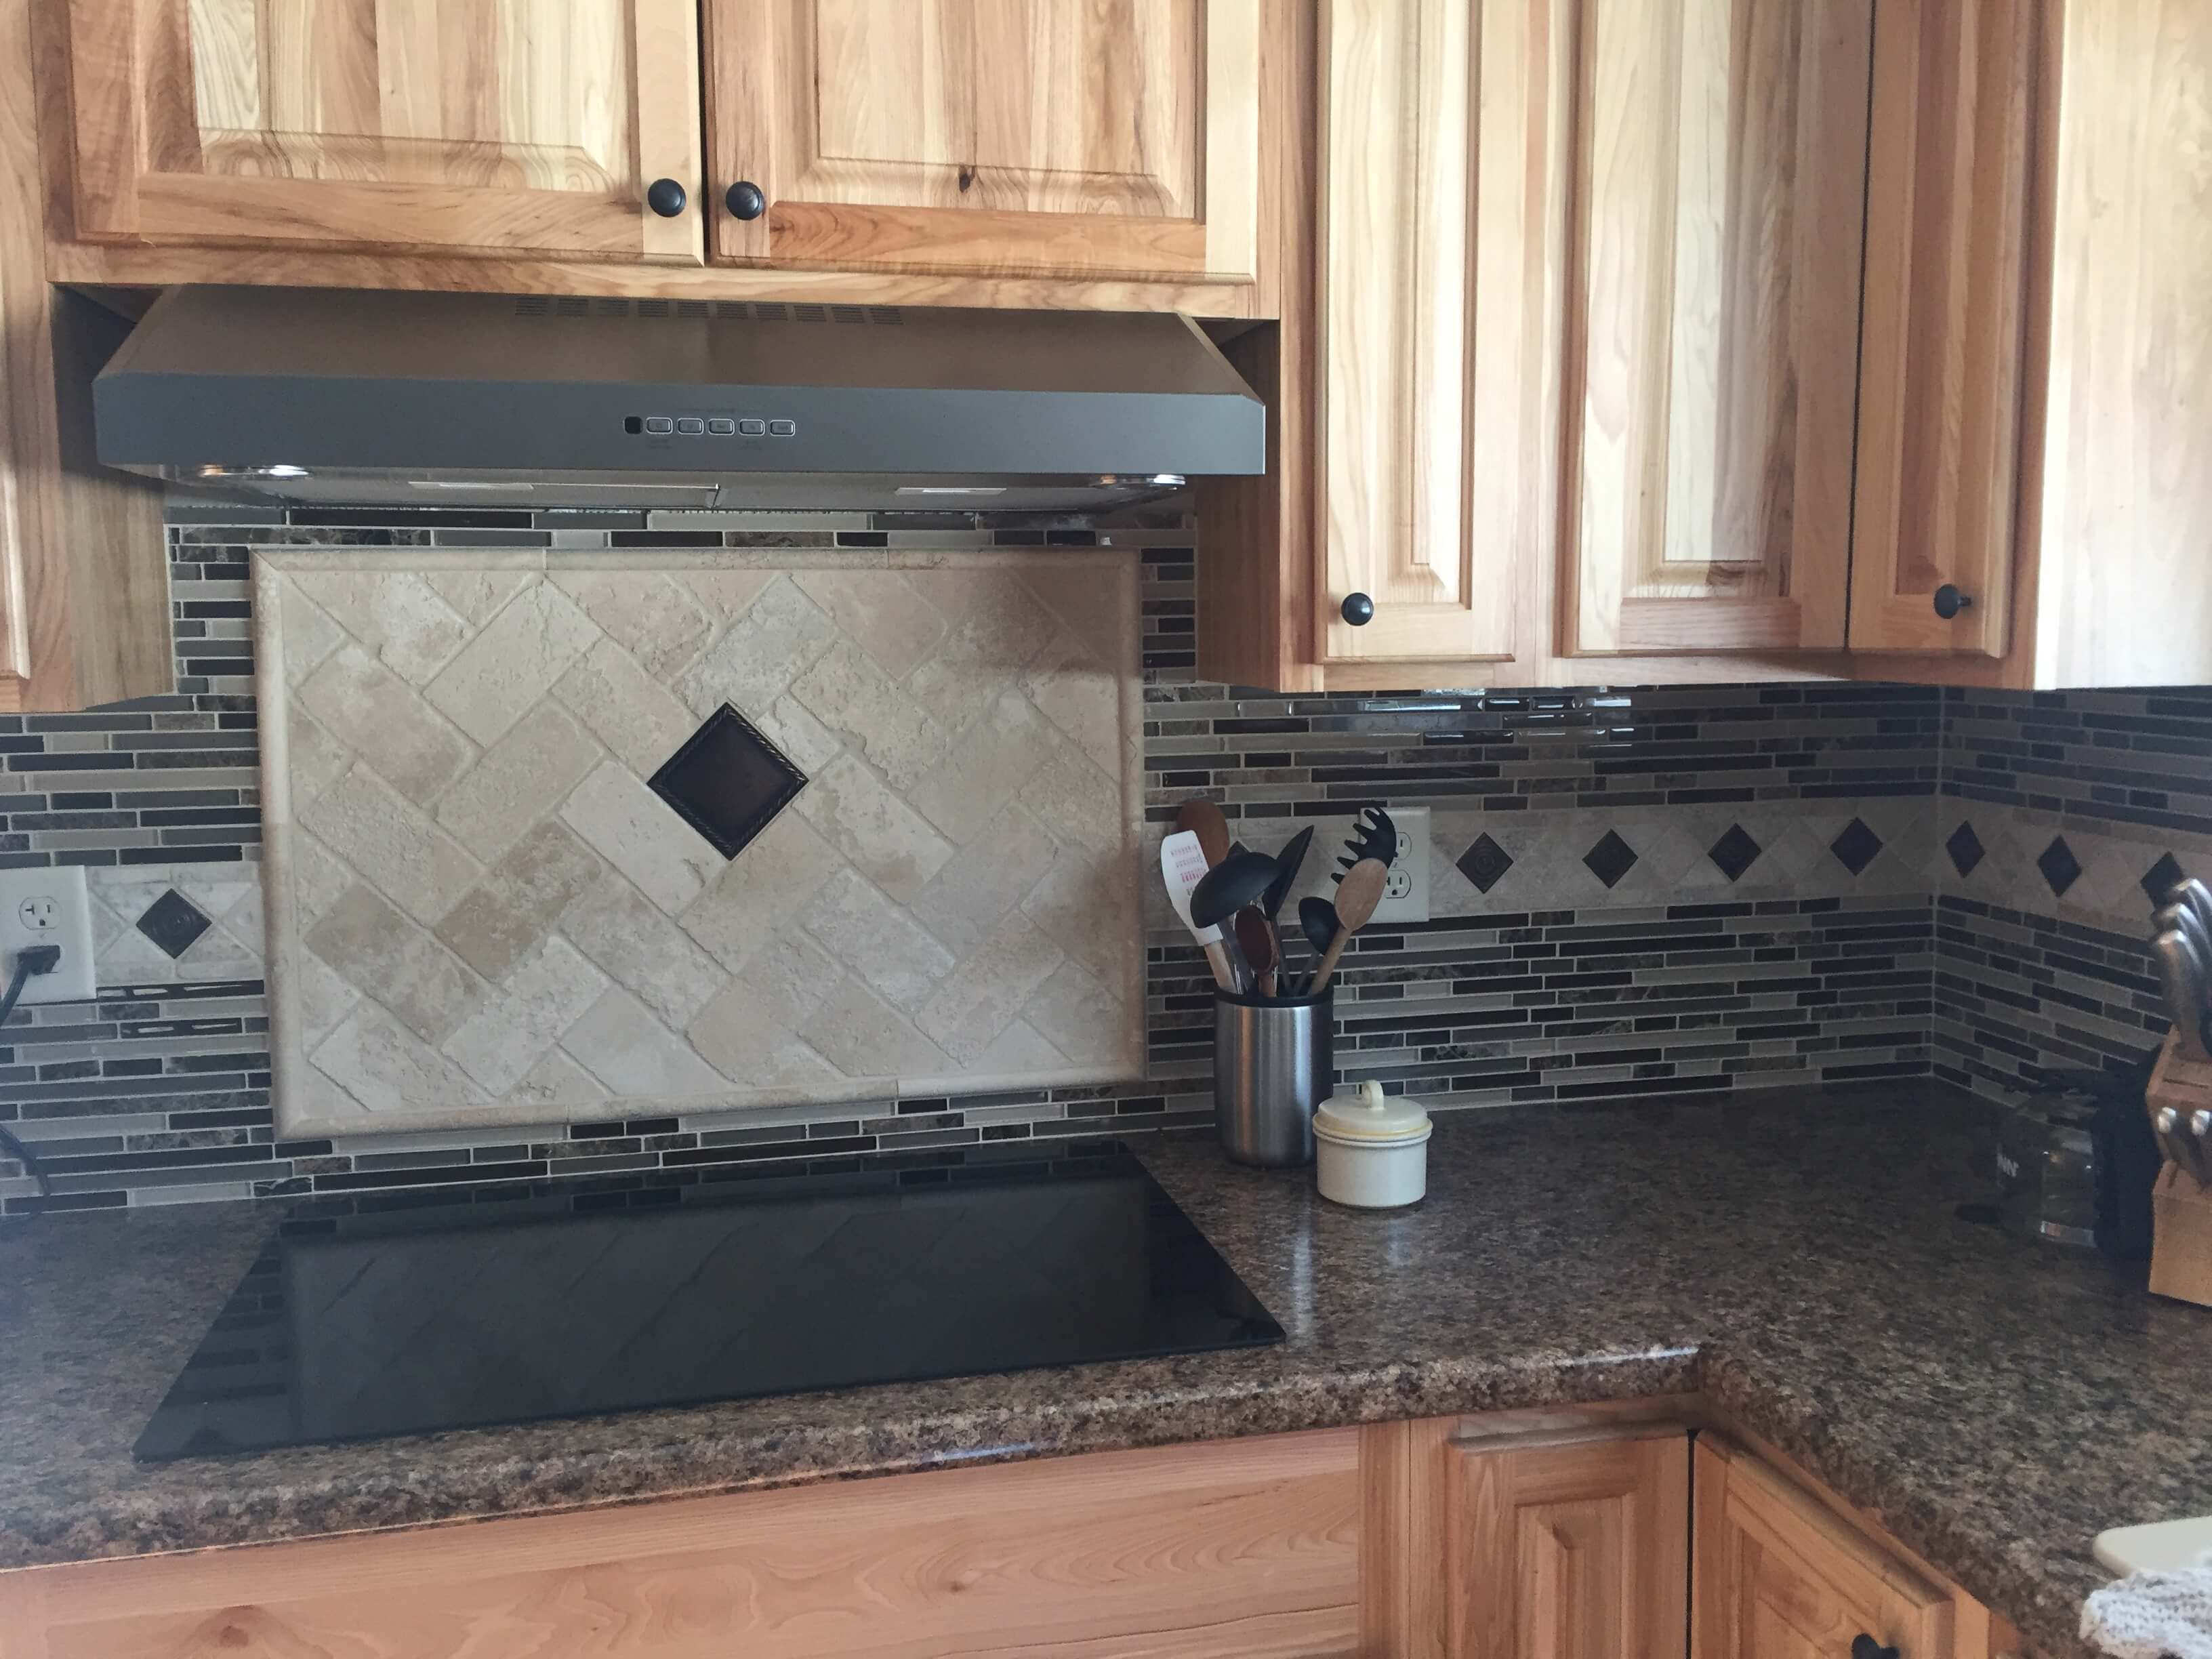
point(1713, 316)
point(1054, 137)
point(498, 126)
point(1239, 1547)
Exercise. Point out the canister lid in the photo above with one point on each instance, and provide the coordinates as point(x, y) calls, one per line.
point(1368, 1114)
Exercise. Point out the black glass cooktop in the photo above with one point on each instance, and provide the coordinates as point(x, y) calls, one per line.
point(353, 1326)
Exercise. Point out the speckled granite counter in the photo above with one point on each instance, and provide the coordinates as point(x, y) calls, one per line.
point(1994, 1403)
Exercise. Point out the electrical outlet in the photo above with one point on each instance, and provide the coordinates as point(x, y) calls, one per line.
point(48, 907)
point(1406, 889)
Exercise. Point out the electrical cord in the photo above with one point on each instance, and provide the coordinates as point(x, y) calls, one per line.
point(39, 959)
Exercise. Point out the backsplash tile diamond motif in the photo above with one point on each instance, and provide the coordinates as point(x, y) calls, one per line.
point(2160, 878)
point(1485, 863)
point(1611, 859)
point(728, 782)
point(1734, 853)
point(1964, 848)
point(2061, 869)
point(173, 922)
point(499, 900)
point(1857, 847)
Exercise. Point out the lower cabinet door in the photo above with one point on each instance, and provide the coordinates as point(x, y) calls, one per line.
point(1569, 1548)
point(1779, 1576)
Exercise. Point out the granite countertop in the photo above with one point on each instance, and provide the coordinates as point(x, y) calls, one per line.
point(1995, 1403)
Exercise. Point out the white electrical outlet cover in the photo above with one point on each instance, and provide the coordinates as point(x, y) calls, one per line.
point(1406, 889)
point(48, 907)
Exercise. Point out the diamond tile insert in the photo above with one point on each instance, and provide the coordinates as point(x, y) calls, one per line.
point(1734, 852)
point(2059, 866)
point(1965, 848)
point(173, 921)
point(1486, 863)
point(1611, 859)
point(728, 782)
point(2161, 877)
point(1856, 846)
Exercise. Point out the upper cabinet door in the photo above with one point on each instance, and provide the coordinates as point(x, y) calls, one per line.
point(1439, 236)
point(1777, 1576)
point(1947, 268)
point(1713, 314)
point(509, 126)
point(1076, 138)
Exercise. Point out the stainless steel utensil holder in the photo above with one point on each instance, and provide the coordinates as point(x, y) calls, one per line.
point(1274, 1060)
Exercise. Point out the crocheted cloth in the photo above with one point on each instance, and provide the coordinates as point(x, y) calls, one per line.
point(2153, 1615)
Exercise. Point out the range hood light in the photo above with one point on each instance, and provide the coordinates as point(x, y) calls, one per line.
point(952, 489)
point(218, 474)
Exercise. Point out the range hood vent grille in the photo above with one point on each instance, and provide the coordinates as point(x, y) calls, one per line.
point(545, 306)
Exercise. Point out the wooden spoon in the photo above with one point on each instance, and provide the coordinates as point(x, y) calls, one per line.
point(1258, 940)
point(1356, 895)
point(1203, 820)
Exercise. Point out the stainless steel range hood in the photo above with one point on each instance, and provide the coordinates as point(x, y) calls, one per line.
point(442, 399)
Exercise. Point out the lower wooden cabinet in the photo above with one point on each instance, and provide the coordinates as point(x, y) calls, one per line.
point(1574, 1534)
point(1572, 1545)
point(1779, 1576)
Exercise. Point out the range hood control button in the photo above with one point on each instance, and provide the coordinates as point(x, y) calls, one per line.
point(783, 428)
point(658, 426)
point(753, 429)
point(691, 426)
point(720, 426)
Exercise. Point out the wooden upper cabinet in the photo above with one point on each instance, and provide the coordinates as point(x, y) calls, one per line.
point(1779, 1576)
point(1437, 232)
point(1074, 138)
point(1577, 1550)
point(1718, 201)
point(1943, 353)
point(512, 126)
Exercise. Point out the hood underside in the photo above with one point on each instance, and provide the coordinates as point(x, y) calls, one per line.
point(444, 399)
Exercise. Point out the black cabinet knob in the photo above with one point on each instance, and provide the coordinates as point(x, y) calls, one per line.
point(1949, 601)
point(665, 197)
point(744, 200)
point(1358, 609)
point(1865, 1647)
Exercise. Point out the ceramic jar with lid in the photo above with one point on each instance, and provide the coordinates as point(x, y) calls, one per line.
point(1371, 1151)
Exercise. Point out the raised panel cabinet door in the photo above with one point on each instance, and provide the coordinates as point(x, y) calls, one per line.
point(1713, 315)
point(508, 126)
point(1078, 138)
point(1943, 351)
point(1442, 141)
point(1577, 1550)
point(1777, 1575)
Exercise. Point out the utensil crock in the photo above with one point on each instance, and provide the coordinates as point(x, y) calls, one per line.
point(1274, 1061)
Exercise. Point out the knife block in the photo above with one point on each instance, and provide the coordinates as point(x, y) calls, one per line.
point(2181, 1207)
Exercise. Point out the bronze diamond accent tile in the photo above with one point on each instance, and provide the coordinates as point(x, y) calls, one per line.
point(728, 782)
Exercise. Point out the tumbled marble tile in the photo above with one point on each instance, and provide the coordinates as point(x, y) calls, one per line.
point(864, 1037)
point(619, 1042)
point(638, 719)
point(657, 620)
point(364, 937)
point(877, 940)
point(386, 1067)
point(518, 781)
point(372, 712)
point(362, 821)
point(748, 903)
point(504, 1039)
point(985, 994)
point(512, 662)
point(639, 833)
point(629, 938)
point(395, 614)
point(503, 917)
point(886, 839)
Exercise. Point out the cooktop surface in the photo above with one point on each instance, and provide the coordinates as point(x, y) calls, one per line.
point(352, 1326)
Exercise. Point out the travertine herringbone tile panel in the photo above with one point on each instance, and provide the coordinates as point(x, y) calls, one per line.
point(485, 905)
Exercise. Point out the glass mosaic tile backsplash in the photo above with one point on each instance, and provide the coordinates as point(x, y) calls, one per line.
point(1637, 891)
